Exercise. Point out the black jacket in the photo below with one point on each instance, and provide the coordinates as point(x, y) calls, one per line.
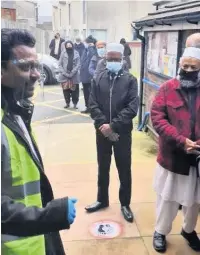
point(16, 219)
point(80, 48)
point(114, 100)
point(52, 48)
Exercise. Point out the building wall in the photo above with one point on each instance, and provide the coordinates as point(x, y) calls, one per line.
point(8, 14)
point(101, 15)
point(26, 10)
point(43, 37)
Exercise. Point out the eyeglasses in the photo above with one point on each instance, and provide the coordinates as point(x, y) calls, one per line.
point(27, 65)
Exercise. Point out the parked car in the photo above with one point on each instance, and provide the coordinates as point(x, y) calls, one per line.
point(49, 69)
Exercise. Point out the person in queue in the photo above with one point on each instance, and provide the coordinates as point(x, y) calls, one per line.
point(113, 105)
point(127, 52)
point(101, 53)
point(86, 77)
point(79, 46)
point(30, 216)
point(175, 117)
point(69, 77)
point(56, 46)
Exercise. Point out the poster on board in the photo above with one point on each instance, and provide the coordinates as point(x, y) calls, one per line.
point(162, 52)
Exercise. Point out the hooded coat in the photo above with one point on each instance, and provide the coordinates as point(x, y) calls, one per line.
point(74, 74)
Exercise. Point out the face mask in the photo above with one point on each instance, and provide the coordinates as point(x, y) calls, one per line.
point(101, 52)
point(190, 76)
point(114, 67)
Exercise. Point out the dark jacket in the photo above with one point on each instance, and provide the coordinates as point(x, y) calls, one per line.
point(127, 54)
point(16, 219)
point(114, 100)
point(93, 64)
point(85, 62)
point(52, 48)
point(101, 66)
point(79, 48)
point(171, 117)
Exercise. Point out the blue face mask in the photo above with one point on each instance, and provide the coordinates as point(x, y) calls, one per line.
point(114, 67)
point(101, 52)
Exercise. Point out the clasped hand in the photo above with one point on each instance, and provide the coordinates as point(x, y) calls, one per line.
point(107, 131)
point(191, 147)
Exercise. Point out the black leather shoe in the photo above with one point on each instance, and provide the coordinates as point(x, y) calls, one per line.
point(192, 239)
point(127, 213)
point(87, 111)
point(95, 207)
point(66, 106)
point(159, 242)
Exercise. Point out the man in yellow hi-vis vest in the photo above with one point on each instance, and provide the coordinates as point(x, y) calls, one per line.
point(30, 217)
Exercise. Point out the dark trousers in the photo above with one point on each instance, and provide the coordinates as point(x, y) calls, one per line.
point(122, 153)
point(74, 94)
point(86, 93)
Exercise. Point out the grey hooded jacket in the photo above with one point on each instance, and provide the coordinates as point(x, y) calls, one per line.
point(74, 75)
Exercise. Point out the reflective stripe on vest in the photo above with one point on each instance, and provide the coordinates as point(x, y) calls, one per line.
point(21, 182)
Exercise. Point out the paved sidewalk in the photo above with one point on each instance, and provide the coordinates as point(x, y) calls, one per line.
point(69, 155)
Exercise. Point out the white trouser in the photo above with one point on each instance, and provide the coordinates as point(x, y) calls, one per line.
point(166, 212)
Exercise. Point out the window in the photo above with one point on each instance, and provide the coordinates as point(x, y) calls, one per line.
point(99, 34)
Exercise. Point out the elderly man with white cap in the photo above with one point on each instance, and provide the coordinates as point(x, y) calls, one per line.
point(175, 116)
point(113, 105)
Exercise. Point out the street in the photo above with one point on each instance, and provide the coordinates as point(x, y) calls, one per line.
point(67, 143)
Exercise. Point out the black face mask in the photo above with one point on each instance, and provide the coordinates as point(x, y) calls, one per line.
point(69, 50)
point(190, 76)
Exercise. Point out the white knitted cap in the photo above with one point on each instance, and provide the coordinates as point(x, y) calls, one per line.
point(192, 52)
point(115, 47)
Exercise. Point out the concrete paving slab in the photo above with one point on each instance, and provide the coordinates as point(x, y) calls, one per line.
point(129, 246)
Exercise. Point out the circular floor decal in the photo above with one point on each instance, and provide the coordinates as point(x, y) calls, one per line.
point(106, 229)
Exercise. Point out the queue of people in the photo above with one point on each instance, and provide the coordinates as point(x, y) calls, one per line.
point(31, 218)
point(80, 64)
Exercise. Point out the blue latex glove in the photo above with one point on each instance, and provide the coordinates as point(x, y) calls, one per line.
point(71, 210)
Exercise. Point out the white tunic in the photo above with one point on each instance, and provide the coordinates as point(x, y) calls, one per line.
point(182, 189)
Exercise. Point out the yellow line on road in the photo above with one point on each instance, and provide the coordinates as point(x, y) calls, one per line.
point(52, 119)
point(53, 101)
point(51, 89)
point(49, 102)
point(55, 93)
point(66, 110)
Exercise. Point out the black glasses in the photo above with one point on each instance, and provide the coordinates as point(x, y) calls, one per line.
point(27, 65)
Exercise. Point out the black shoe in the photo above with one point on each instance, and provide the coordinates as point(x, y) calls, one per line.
point(66, 106)
point(75, 107)
point(159, 242)
point(86, 111)
point(95, 207)
point(127, 213)
point(193, 240)
point(180, 207)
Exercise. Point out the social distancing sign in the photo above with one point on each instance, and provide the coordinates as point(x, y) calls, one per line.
point(105, 229)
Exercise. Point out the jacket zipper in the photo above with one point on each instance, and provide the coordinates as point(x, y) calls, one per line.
point(111, 93)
